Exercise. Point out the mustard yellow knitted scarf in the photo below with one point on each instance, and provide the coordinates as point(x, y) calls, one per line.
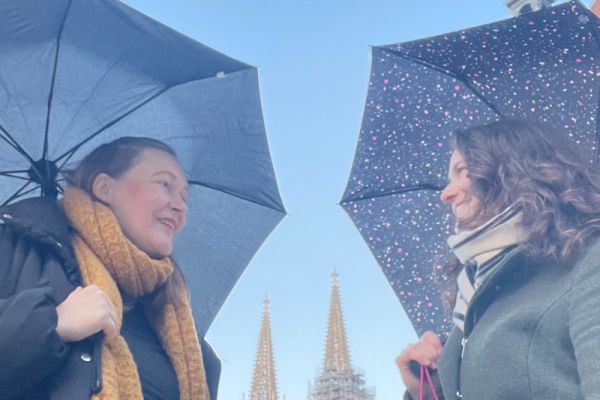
point(109, 260)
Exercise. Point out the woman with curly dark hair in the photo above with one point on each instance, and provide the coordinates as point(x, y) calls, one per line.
point(525, 279)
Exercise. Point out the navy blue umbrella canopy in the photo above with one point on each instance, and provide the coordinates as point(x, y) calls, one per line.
point(542, 66)
point(75, 74)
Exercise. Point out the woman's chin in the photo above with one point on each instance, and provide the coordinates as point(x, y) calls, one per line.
point(159, 250)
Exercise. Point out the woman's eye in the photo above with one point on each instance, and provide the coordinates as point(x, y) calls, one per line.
point(165, 184)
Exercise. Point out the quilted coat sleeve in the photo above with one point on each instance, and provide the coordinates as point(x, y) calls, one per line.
point(30, 348)
point(584, 322)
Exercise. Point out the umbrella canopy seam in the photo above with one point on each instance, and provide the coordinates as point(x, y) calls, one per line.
point(357, 196)
point(69, 153)
point(239, 196)
point(53, 80)
point(437, 68)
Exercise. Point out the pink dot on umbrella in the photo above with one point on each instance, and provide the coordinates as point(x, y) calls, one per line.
point(457, 88)
point(430, 304)
point(578, 60)
point(532, 109)
point(374, 137)
point(439, 144)
point(386, 81)
point(400, 250)
point(531, 23)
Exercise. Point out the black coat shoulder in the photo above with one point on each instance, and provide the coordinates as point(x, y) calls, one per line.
point(41, 222)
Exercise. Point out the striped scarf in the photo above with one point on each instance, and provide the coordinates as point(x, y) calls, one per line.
point(481, 250)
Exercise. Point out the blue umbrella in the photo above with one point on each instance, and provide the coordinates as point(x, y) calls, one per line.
point(542, 66)
point(77, 73)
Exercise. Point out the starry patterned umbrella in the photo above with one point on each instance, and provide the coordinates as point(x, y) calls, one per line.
point(541, 66)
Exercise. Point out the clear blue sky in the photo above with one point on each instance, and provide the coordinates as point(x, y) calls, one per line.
point(314, 61)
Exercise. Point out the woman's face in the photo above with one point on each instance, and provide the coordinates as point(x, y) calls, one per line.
point(457, 192)
point(149, 201)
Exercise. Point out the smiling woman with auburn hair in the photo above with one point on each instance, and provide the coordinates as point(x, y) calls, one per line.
point(92, 304)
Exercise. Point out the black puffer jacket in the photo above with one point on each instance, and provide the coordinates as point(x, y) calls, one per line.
point(37, 272)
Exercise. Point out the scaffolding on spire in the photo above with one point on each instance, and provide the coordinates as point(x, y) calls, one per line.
point(338, 380)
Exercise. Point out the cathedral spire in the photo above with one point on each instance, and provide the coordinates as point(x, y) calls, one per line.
point(337, 357)
point(264, 379)
point(338, 381)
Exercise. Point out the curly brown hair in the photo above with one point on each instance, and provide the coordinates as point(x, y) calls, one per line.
point(536, 170)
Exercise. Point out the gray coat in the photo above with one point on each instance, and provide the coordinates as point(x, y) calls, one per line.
point(531, 332)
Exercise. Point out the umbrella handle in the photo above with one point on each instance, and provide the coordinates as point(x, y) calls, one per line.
point(425, 372)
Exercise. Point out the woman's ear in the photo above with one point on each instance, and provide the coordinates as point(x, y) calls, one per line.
point(102, 188)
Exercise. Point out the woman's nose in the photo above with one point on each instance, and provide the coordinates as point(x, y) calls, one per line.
point(448, 194)
point(178, 204)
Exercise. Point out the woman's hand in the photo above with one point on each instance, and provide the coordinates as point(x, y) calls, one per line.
point(84, 312)
point(425, 352)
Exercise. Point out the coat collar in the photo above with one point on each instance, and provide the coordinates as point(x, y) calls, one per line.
point(43, 220)
point(40, 216)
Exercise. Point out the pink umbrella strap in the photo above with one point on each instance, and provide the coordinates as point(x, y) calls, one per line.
point(425, 372)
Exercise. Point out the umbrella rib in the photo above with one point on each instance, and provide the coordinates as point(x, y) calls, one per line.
point(19, 193)
point(53, 82)
point(596, 35)
point(231, 193)
point(92, 93)
point(12, 175)
point(15, 145)
point(69, 153)
point(437, 68)
point(425, 186)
